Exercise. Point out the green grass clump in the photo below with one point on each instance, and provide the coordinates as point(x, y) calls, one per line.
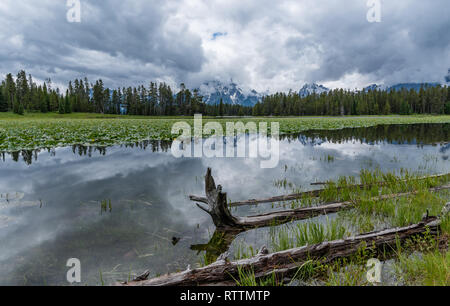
point(105, 206)
point(421, 261)
point(425, 269)
point(246, 277)
point(306, 233)
point(445, 224)
point(347, 275)
point(244, 250)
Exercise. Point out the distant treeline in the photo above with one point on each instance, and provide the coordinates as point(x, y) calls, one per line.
point(428, 100)
point(21, 93)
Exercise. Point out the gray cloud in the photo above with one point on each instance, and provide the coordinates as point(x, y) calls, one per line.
point(273, 45)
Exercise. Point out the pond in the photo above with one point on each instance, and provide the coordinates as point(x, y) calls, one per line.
point(117, 209)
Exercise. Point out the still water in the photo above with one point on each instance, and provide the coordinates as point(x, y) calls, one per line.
point(51, 200)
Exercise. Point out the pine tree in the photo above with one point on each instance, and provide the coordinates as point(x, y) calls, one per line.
point(61, 106)
point(447, 108)
point(67, 105)
point(241, 111)
point(10, 87)
point(221, 112)
point(43, 104)
point(21, 109)
point(22, 88)
point(18, 106)
point(3, 103)
point(15, 105)
point(98, 96)
point(387, 109)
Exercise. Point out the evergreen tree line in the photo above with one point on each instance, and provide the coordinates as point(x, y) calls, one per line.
point(338, 102)
point(22, 94)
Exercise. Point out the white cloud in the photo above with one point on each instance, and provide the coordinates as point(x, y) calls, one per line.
point(275, 45)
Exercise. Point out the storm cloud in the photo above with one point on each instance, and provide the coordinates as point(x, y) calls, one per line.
point(264, 44)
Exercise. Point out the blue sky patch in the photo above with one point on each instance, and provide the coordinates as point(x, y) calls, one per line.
point(218, 34)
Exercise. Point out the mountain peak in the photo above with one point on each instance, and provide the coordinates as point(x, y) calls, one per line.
point(374, 87)
point(231, 93)
point(409, 86)
point(309, 89)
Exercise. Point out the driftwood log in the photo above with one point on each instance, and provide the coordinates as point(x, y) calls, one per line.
point(216, 201)
point(222, 239)
point(286, 263)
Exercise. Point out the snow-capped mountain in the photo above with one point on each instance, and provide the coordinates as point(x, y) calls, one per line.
point(214, 91)
point(409, 86)
point(400, 86)
point(309, 89)
point(374, 87)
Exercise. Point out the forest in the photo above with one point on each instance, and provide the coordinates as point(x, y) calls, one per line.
point(22, 94)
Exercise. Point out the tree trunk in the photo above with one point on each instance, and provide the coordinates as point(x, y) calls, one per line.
point(286, 263)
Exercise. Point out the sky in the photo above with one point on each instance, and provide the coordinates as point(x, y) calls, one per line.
point(267, 45)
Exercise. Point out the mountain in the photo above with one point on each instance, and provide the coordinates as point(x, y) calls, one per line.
point(400, 86)
point(213, 91)
point(309, 89)
point(374, 87)
point(409, 86)
point(447, 77)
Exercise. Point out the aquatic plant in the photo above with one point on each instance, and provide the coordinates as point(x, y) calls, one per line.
point(34, 131)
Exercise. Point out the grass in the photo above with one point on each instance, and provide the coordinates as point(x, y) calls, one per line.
point(344, 189)
point(426, 269)
point(419, 261)
point(445, 225)
point(305, 233)
point(247, 279)
point(50, 130)
point(244, 250)
point(105, 206)
point(346, 275)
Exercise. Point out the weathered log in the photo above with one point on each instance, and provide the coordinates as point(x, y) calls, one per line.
point(311, 193)
point(282, 198)
point(217, 204)
point(222, 239)
point(225, 221)
point(286, 263)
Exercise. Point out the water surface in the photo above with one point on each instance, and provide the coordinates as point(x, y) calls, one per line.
point(50, 205)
